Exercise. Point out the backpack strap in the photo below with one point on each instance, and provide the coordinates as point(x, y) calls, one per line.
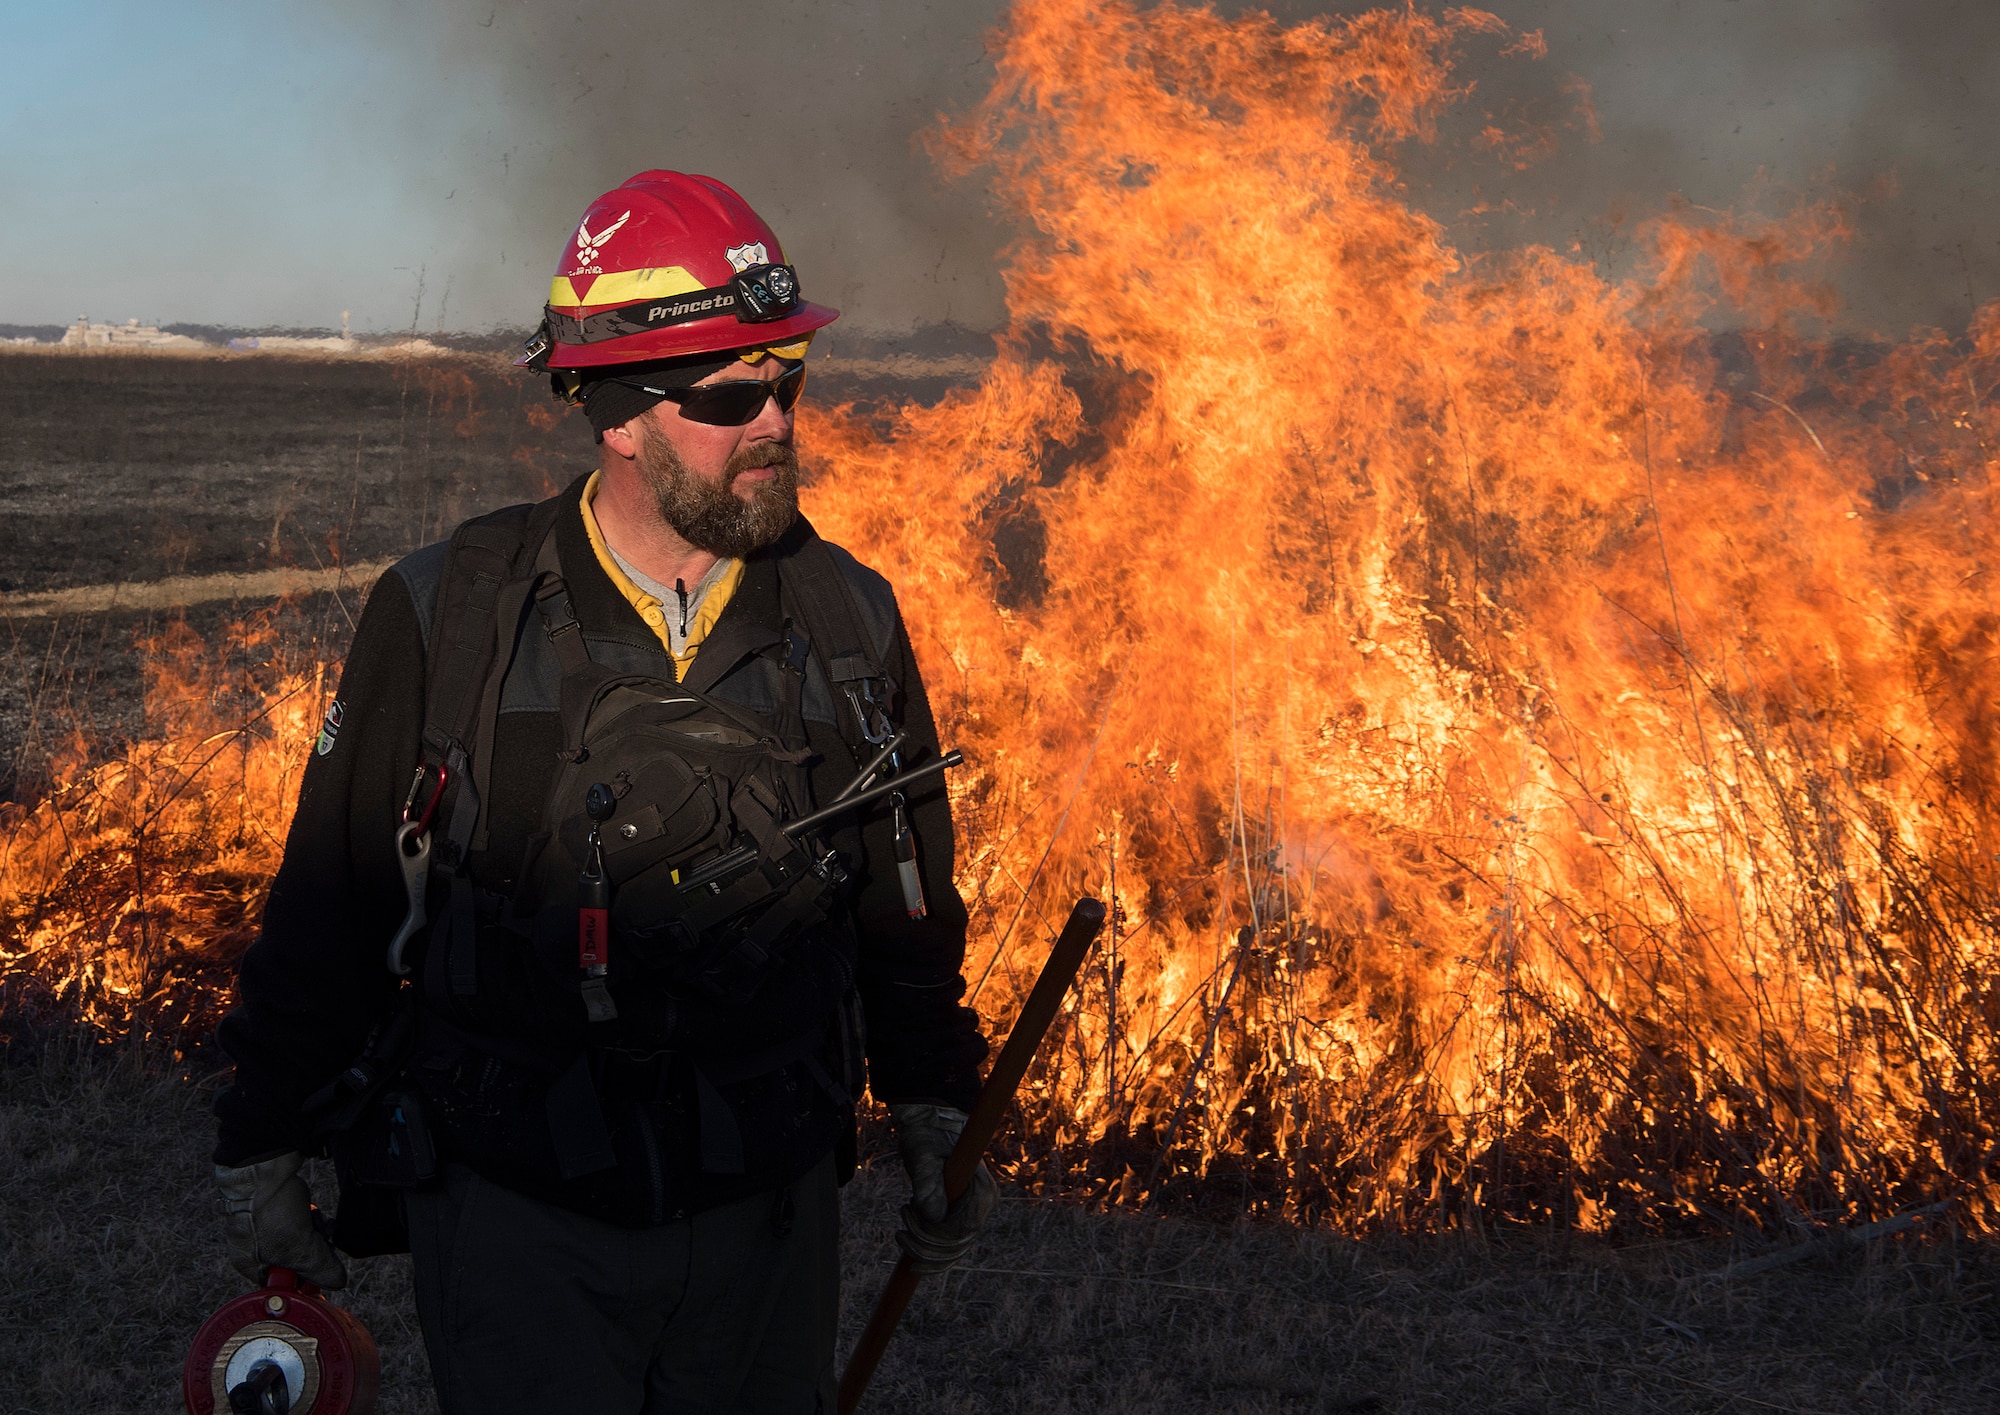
point(481, 596)
point(581, 675)
point(863, 693)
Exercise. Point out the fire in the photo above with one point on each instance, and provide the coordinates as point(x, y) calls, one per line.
point(128, 891)
point(1540, 751)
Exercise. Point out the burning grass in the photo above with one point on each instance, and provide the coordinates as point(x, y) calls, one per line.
point(1539, 751)
point(130, 887)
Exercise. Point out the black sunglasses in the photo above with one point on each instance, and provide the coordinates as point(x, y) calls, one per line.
point(735, 403)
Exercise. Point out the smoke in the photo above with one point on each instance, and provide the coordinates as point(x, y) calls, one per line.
point(1886, 109)
point(813, 111)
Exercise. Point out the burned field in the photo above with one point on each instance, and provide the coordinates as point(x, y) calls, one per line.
point(127, 470)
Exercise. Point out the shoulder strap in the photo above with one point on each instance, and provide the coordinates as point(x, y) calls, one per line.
point(863, 693)
point(581, 675)
point(480, 598)
point(479, 561)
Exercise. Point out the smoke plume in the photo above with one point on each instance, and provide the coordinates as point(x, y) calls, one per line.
point(815, 111)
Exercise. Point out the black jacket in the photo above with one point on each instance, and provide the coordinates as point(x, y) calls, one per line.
point(314, 984)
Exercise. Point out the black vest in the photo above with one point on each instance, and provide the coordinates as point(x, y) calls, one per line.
point(689, 1096)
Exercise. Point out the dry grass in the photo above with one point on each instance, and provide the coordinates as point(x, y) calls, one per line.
point(112, 1251)
point(111, 1257)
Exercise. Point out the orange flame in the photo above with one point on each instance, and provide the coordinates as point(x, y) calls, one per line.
point(128, 892)
point(1540, 755)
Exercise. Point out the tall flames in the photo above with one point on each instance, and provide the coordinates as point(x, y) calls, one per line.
point(1541, 752)
point(1540, 749)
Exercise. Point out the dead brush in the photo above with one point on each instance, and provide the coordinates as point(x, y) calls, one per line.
point(1537, 751)
point(1821, 1050)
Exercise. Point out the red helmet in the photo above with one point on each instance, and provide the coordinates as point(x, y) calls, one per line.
point(665, 265)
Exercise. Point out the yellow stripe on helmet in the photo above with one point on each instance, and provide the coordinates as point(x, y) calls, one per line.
point(620, 287)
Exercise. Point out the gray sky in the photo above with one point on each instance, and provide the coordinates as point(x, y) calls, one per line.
point(229, 161)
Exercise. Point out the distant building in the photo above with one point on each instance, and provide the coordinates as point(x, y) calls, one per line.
point(288, 344)
point(129, 335)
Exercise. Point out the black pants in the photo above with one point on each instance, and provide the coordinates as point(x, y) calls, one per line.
point(530, 1308)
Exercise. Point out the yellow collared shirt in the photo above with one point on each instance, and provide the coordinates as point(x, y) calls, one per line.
point(649, 606)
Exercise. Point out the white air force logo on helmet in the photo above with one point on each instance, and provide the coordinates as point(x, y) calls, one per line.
point(587, 245)
point(743, 257)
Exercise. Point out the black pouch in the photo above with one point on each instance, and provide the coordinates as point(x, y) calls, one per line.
point(384, 1154)
point(369, 1221)
point(378, 1134)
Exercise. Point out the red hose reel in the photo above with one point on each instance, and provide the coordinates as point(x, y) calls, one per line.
point(282, 1350)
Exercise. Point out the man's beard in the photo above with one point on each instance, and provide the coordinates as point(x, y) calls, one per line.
point(709, 515)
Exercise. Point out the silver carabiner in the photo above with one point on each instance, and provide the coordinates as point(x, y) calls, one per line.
point(413, 848)
point(875, 725)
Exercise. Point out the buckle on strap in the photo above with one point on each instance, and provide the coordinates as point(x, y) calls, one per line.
point(797, 649)
point(552, 603)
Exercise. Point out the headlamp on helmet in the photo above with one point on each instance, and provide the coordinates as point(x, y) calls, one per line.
point(765, 293)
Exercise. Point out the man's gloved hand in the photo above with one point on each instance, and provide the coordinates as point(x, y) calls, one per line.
point(936, 1235)
point(267, 1217)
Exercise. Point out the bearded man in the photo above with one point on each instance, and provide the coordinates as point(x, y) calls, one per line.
point(555, 966)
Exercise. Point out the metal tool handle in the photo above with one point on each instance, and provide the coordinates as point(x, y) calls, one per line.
point(994, 1097)
point(744, 856)
point(880, 760)
point(901, 781)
